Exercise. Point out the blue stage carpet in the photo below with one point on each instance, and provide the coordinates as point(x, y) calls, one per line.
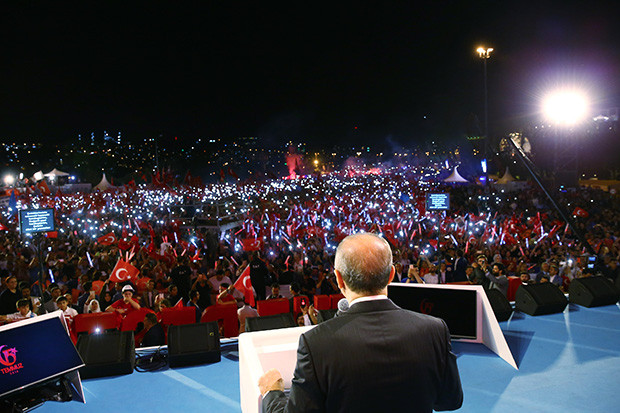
point(568, 362)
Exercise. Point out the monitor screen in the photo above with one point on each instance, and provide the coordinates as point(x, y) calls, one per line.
point(31, 352)
point(36, 220)
point(437, 201)
point(456, 307)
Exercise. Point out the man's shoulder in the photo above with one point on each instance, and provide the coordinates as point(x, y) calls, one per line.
point(386, 309)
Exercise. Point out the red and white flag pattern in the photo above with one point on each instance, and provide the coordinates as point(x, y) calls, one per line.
point(124, 271)
point(244, 285)
point(108, 239)
point(251, 244)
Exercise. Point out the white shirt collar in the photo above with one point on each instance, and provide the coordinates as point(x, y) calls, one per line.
point(368, 298)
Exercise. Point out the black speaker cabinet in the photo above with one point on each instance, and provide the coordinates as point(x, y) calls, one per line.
point(539, 299)
point(192, 344)
point(325, 315)
point(270, 322)
point(107, 354)
point(500, 304)
point(593, 292)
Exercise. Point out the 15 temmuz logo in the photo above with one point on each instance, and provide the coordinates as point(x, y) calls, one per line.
point(8, 359)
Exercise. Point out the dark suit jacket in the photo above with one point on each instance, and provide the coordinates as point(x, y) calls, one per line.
point(460, 265)
point(376, 357)
point(154, 337)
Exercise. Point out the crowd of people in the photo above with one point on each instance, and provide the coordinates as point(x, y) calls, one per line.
point(287, 232)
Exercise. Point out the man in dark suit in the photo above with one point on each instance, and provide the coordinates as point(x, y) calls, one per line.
point(460, 266)
point(375, 357)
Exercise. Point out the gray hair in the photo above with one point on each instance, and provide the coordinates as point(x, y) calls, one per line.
point(365, 262)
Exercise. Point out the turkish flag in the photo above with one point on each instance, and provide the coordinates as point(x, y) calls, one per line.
point(251, 244)
point(179, 304)
point(42, 185)
point(580, 212)
point(124, 271)
point(108, 239)
point(244, 285)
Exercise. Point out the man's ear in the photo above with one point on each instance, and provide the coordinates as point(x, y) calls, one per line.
point(340, 281)
point(392, 272)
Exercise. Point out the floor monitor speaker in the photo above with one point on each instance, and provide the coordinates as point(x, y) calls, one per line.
point(593, 292)
point(500, 304)
point(270, 322)
point(539, 299)
point(107, 354)
point(192, 344)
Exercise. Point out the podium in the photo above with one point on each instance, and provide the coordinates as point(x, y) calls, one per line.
point(261, 351)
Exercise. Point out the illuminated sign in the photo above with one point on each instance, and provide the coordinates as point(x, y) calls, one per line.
point(437, 201)
point(36, 220)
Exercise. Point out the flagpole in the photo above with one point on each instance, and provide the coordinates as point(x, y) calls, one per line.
point(530, 167)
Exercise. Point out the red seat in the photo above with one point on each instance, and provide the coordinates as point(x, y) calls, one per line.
point(272, 307)
point(227, 314)
point(130, 322)
point(178, 316)
point(90, 323)
point(334, 299)
point(322, 302)
point(513, 284)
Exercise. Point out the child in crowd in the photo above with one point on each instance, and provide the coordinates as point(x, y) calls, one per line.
point(23, 312)
point(68, 312)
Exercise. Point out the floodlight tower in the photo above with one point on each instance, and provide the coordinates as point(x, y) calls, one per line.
point(485, 54)
point(565, 110)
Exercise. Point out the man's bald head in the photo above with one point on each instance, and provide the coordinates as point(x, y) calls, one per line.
point(365, 263)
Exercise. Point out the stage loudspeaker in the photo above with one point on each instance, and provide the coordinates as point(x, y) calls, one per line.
point(191, 344)
point(325, 315)
point(107, 354)
point(593, 292)
point(500, 304)
point(270, 322)
point(539, 299)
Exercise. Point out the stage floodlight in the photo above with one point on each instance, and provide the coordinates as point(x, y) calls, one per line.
point(9, 180)
point(566, 107)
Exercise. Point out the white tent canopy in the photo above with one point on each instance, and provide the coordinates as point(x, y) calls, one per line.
point(455, 176)
point(104, 184)
point(55, 172)
point(506, 178)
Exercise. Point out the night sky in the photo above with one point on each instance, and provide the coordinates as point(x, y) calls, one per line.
point(401, 72)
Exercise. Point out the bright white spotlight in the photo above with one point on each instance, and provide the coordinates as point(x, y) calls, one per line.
point(9, 180)
point(566, 107)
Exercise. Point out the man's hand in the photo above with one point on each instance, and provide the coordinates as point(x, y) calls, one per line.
point(271, 380)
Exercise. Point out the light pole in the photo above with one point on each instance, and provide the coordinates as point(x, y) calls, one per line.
point(485, 53)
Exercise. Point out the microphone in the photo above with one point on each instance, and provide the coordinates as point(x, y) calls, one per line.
point(343, 307)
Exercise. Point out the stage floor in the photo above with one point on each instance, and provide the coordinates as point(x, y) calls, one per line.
point(567, 362)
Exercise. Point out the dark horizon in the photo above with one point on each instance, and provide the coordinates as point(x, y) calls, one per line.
point(395, 72)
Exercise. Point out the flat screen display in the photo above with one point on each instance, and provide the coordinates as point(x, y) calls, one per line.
point(35, 351)
point(456, 307)
point(36, 220)
point(437, 201)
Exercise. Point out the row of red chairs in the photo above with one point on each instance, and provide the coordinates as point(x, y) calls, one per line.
point(281, 305)
point(99, 322)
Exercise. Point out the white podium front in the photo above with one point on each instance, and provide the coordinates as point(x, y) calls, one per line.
point(260, 351)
